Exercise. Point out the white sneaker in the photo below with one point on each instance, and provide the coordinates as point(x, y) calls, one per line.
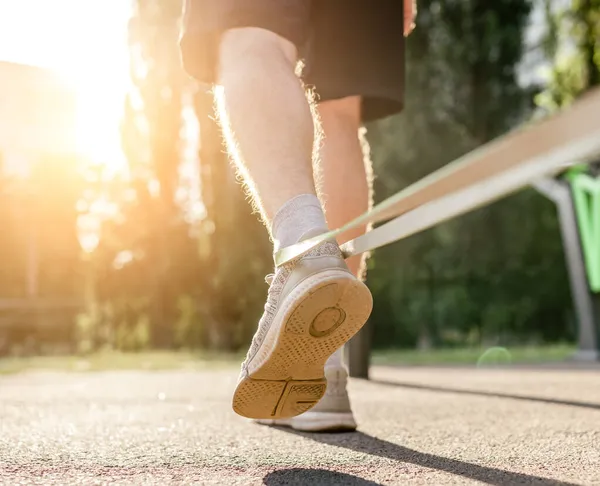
point(331, 414)
point(314, 306)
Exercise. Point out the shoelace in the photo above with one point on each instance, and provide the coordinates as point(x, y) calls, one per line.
point(270, 304)
point(269, 307)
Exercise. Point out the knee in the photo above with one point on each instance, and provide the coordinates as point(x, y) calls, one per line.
point(255, 48)
point(343, 114)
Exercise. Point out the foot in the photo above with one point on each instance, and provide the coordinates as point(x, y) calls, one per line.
point(331, 414)
point(314, 306)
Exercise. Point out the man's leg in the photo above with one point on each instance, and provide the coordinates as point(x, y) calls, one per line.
point(345, 170)
point(266, 118)
point(315, 305)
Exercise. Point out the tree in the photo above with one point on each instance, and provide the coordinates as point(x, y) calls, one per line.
point(572, 45)
point(194, 278)
point(476, 278)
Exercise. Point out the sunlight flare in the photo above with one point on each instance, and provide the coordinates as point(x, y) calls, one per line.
point(90, 54)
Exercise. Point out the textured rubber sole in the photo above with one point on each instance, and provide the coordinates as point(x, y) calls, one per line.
point(316, 422)
point(286, 377)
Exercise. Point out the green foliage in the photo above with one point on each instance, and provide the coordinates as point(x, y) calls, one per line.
point(166, 274)
point(197, 277)
point(490, 276)
point(573, 46)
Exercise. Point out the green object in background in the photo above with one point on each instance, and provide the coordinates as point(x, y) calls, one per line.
point(586, 195)
point(494, 356)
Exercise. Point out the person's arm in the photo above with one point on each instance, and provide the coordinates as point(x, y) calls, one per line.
point(410, 12)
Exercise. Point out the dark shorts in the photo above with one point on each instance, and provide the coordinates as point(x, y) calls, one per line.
point(349, 47)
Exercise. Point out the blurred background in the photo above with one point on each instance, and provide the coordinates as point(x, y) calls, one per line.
point(123, 227)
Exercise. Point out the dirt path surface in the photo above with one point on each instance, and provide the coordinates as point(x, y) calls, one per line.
point(417, 426)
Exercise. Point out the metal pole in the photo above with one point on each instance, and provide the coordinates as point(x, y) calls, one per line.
point(358, 352)
point(560, 193)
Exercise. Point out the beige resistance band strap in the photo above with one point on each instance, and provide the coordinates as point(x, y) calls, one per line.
point(474, 180)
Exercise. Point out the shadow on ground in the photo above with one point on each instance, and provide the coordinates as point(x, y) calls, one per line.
point(443, 389)
point(302, 477)
point(366, 444)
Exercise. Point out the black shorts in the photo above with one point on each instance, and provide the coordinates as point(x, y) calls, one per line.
point(349, 47)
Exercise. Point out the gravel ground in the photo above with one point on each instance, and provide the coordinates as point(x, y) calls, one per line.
point(416, 426)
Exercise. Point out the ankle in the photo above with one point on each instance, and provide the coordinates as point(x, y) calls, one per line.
point(297, 217)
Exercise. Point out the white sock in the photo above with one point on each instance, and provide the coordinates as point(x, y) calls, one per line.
point(297, 217)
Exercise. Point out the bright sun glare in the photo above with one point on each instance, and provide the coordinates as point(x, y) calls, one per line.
point(85, 41)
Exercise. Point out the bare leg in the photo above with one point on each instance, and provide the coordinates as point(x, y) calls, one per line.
point(266, 117)
point(345, 170)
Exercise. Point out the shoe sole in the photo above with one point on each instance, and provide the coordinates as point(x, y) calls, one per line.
point(287, 376)
point(317, 422)
point(324, 422)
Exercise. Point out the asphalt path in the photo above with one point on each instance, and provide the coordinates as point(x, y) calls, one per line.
point(416, 426)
